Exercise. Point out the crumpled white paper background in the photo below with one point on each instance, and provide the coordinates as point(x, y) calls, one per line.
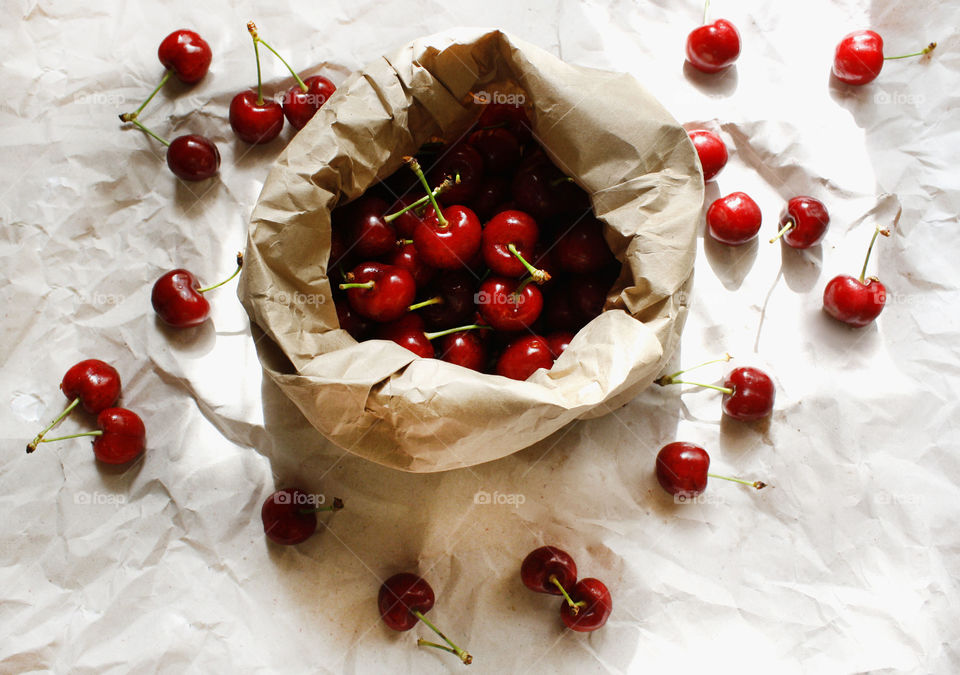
point(848, 564)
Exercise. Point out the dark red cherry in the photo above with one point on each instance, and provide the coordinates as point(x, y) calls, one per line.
point(491, 197)
point(360, 328)
point(124, 436)
point(753, 394)
point(399, 596)
point(407, 222)
point(457, 290)
point(509, 116)
point(507, 309)
point(595, 611)
point(558, 342)
point(508, 228)
point(254, 121)
point(682, 469)
point(524, 356)
point(366, 231)
point(450, 245)
point(407, 257)
point(94, 382)
point(464, 348)
point(499, 148)
point(461, 161)
point(408, 332)
point(300, 106)
point(193, 157)
point(547, 566)
point(187, 54)
point(582, 249)
point(177, 300)
point(288, 517)
point(588, 294)
point(379, 291)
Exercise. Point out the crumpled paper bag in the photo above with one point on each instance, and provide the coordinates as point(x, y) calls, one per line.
point(377, 399)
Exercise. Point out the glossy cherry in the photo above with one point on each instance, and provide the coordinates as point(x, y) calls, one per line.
point(491, 198)
point(682, 470)
point(365, 227)
point(290, 516)
point(359, 327)
point(582, 248)
point(405, 255)
point(592, 606)
point(523, 357)
point(121, 436)
point(178, 299)
point(457, 290)
point(509, 304)
point(558, 342)
point(856, 301)
point(734, 219)
point(254, 119)
point(379, 291)
point(711, 150)
point(858, 58)
point(509, 240)
point(447, 238)
point(403, 600)
point(408, 332)
point(301, 104)
point(803, 223)
point(542, 190)
point(463, 348)
point(186, 54)
point(193, 157)
point(751, 394)
point(462, 165)
point(713, 47)
point(548, 569)
point(587, 296)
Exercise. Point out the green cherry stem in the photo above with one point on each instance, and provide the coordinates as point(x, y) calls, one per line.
point(540, 276)
point(926, 50)
point(876, 233)
point(706, 8)
point(786, 228)
point(367, 284)
point(436, 300)
point(725, 390)
point(415, 167)
point(228, 279)
point(404, 242)
point(256, 38)
point(32, 445)
point(65, 438)
point(445, 185)
point(759, 485)
point(336, 506)
point(454, 649)
point(163, 81)
point(252, 28)
point(458, 329)
point(574, 606)
point(670, 379)
point(132, 119)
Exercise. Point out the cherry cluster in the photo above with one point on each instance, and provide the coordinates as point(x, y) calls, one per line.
point(491, 259)
point(95, 386)
point(586, 602)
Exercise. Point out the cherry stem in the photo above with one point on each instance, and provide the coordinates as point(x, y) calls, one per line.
point(669, 379)
point(454, 649)
point(876, 233)
point(574, 607)
point(252, 28)
point(368, 284)
point(926, 50)
point(228, 279)
point(256, 37)
point(725, 390)
point(415, 167)
point(129, 117)
point(540, 276)
point(759, 485)
point(436, 300)
point(65, 438)
point(39, 437)
point(163, 81)
point(786, 228)
point(336, 506)
point(458, 329)
point(706, 7)
point(404, 242)
point(445, 185)
point(564, 179)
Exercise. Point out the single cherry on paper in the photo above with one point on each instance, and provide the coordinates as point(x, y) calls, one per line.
point(589, 607)
point(803, 223)
point(682, 470)
point(186, 55)
point(121, 436)
point(379, 291)
point(711, 150)
point(304, 99)
point(856, 301)
point(748, 393)
point(524, 356)
point(290, 516)
point(403, 600)
point(178, 299)
point(253, 118)
point(713, 47)
point(858, 58)
point(190, 157)
point(734, 219)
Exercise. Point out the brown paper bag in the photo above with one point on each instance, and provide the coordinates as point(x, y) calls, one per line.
point(377, 399)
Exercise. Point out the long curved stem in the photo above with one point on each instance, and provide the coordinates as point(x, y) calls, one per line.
point(759, 485)
point(574, 606)
point(464, 656)
point(163, 81)
point(669, 379)
point(458, 329)
point(301, 83)
point(725, 390)
point(876, 233)
point(418, 172)
point(64, 438)
point(252, 29)
point(39, 437)
point(228, 279)
point(540, 276)
point(926, 50)
point(135, 122)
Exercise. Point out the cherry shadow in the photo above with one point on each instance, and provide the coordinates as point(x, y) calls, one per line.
point(801, 267)
point(717, 85)
point(731, 264)
point(194, 342)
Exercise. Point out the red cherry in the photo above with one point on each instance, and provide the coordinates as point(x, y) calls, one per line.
point(449, 243)
point(682, 469)
point(176, 299)
point(542, 190)
point(558, 342)
point(509, 304)
point(499, 149)
point(524, 356)
point(407, 331)
point(290, 516)
point(95, 383)
point(856, 302)
point(407, 257)
point(193, 157)
point(711, 150)
point(363, 223)
point(406, 222)
point(713, 46)
point(463, 348)
point(379, 291)
point(255, 121)
point(461, 161)
point(300, 106)
point(359, 327)
point(858, 58)
point(734, 219)
point(457, 290)
point(596, 608)
point(803, 222)
point(547, 569)
point(509, 229)
point(582, 249)
point(752, 394)
point(587, 298)
point(187, 54)
point(510, 116)
point(123, 439)
point(558, 309)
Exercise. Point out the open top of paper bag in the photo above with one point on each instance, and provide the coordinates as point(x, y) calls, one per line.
point(377, 399)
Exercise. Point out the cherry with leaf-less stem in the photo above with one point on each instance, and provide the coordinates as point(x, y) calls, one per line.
point(858, 58)
point(403, 601)
point(509, 304)
point(408, 332)
point(463, 165)
point(379, 291)
point(713, 47)
point(551, 570)
point(91, 383)
point(803, 223)
point(748, 393)
point(289, 516)
point(455, 291)
point(178, 299)
point(121, 436)
point(253, 118)
point(589, 606)
point(508, 240)
point(524, 356)
point(711, 150)
point(191, 157)
point(682, 470)
point(856, 301)
point(463, 348)
point(447, 238)
point(734, 219)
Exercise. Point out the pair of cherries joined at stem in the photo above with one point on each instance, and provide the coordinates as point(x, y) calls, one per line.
point(403, 601)
point(586, 602)
point(682, 470)
point(748, 393)
point(255, 119)
point(178, 299)
point(95, 385)
point(186, 56)
point(290, 515)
